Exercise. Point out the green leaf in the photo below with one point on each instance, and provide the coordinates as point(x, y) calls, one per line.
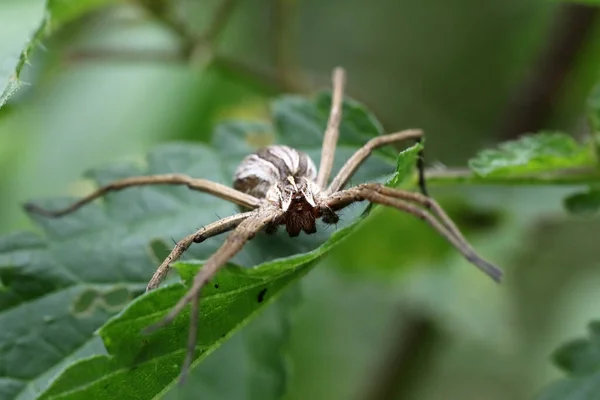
point(236, 296)
point(533, 154)
point(583, 203)
point(580, 358)
point(405, 164)
point(63, 11)
point(358, 125)
point(59, 288)
point(23, 25)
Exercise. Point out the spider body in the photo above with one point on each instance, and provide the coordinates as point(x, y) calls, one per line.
point(272, 165)
point(285, 177)
point(280, 186)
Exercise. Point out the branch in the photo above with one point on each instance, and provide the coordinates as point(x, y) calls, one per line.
point(193, 45)
point(575, 176)
point(537, 96)
point(219, 22)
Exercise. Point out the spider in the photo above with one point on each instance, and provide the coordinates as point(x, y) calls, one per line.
point(278, 186)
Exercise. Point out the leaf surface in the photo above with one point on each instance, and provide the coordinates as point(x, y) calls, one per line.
point(580, 359)
point(532, 154)
point(24, 24)
point(85, 267)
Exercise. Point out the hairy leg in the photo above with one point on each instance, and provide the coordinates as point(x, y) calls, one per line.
point(233, 244)
point(216, 228)
point(201, 185)
point(332, 132)
point(375, 194)
point(364, 152)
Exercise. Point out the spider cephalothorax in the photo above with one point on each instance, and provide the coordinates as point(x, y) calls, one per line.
point(284, 177)
point(280, 186)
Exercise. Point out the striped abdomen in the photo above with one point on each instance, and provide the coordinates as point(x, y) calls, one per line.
point(258, 172)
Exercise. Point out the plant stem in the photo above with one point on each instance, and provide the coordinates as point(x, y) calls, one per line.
point(466, 177)
point(539, 92)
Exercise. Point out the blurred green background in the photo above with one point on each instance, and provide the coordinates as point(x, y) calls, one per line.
point(112, 84)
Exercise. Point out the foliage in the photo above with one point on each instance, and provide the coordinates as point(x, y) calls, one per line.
point(90, 296)
point(580, 359)
point(584, 203)
point(83, 275)
point(109, 251)
point(42, 20)
point(533, 154)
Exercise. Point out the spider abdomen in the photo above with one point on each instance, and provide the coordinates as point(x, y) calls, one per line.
point(258, 172)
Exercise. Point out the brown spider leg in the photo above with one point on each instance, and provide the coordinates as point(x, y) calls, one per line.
point(364, 152)
point(332, 132)
point(201, 185)
point(216, 228)
point(428, 203)
point(233, 244)
point(367, 192)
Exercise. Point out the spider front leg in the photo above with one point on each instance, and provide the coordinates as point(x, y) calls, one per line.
point(364, 152)
point(216, 228)
point(379, 194)
point(255, 222)
point(332, 132)
point(201, 185)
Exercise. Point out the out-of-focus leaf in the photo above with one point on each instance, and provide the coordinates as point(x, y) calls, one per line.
point(23, 24)
point(593, 111)
point(357, 126)
point(63, 11)
point(532, 154)
point(68, 279)
point(590, 2)
point(593, 108)
point(580, 358)
point(583, 203)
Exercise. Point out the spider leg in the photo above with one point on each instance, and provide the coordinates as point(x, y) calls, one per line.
point(216, 228)
point(201, 185)
point(332, 132)
point(364, 152)
point(428, 203)
point(376, 193)
point(236, 240)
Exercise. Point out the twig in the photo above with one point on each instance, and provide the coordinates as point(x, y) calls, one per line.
point(264, 77)
point(193, 45)
point(537, 96)
point(219, 21)
point(574, 176)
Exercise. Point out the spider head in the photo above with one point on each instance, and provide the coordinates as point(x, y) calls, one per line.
point(294, 194)
point(299, 198)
